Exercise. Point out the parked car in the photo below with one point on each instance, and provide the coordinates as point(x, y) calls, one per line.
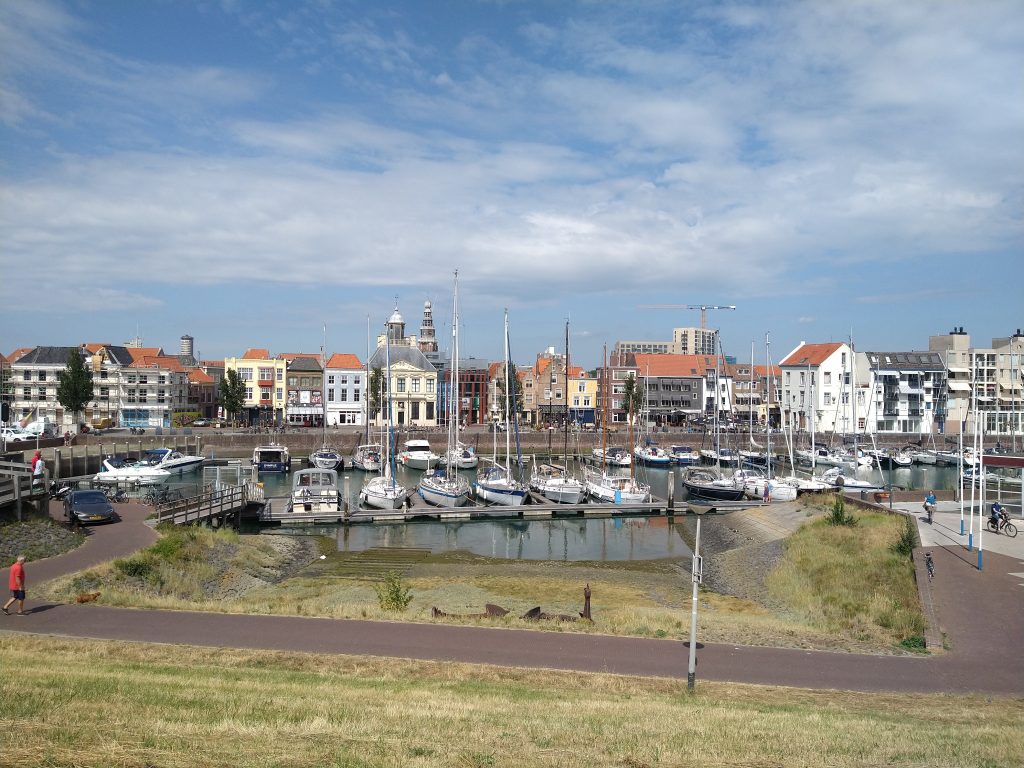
point(88, 506)
point(496, 426)
point(13, 435)
point(201, 423)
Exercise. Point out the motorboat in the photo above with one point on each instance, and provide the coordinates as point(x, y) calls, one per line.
point(327, 457)
point(117, 470)
point(315, 491)
point(416, 454)
point(779, 489)
point(463, 456)
point(367, 458)
point(727, 457)
point(170, 460)
point(753, 458)
point(613, 456)
point(839, 480)
point(891, 459)
point(554, 483)
point(495, 485)
point(705, 483)
point(271, 458)
point(651, 454)
point(616, 489)
point(684, 455)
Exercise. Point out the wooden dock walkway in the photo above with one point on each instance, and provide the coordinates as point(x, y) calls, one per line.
point(214, 506)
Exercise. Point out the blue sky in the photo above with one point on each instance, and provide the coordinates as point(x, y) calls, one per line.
point(245, 172)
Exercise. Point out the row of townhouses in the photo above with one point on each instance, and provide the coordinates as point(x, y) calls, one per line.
point(830, 387)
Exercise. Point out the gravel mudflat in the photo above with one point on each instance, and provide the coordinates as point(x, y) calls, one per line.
point(37, 539)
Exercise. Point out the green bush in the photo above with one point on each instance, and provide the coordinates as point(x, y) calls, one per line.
point(393, 594)
point(839, 515)
point(135, 567)
point(907, 540)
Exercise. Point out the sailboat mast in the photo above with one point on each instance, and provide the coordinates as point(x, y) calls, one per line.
point(366, 393)
point(323, 384)
point(604, 420)
point(768, 361)
point(508, 436)
point(390, 458)
point(565, 450)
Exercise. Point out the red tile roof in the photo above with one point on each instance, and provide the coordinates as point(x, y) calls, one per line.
point(199, 377)
point(256, 354)
point(13, 357)
point(811, 354)
point(289, 356)
point(165, 362)
point(674, 365)
point(135, 352)
point(345, 361)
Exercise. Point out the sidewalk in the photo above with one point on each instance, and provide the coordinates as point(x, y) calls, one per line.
point(945, 530)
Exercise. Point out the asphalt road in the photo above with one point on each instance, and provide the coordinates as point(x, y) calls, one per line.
point(981, 612)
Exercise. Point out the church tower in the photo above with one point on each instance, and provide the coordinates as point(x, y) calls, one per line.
point(428, 341)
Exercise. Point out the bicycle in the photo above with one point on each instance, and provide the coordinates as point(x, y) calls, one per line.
point(1003, 526)
point(930, 565)
point(116, 495)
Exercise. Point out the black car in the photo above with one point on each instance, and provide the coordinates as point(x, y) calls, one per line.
point(88, 506)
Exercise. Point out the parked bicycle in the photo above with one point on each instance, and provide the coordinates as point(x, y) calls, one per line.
point(162, 495)
point(116, 495)
point(930, 565)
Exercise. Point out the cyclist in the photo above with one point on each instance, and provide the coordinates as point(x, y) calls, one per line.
point(929, 504)
point(997, 515)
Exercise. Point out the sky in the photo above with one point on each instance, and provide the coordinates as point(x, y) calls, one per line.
point(251, 172)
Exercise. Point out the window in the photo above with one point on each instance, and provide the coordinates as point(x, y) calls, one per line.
point(42, 375)
point(103, 373)
point(576, 402)
point(430, 406)
point(280, 374)
point(827, 398)
point(344, 395)
point(430, 391)
point(581, 386)
point(586, 402)
point(143, 379)
point(266, 374)
point(142, 395)
point(264, 393)
point(355, 395)
point(130, 395)
point(42, 393)
point(26, 375)
point(248, 393)
point(827, 378)
point(355, 380)
point(547, 394)
point(293, 381)
point(344, 379)
point(245, 374)
point(161, 396)
point(416, 384)
point(104, 393)
point(787, 378)
point(280, 393)
point(415, 409)
point(330, 379)
point(401, 384)
point(330, 394)
point(27, 393)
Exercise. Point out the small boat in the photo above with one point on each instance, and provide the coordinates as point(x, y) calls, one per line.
point(327, 457)
point(727, 457)
point(495, 485)
point(170, 460)
point(613, 456)
point(837, 479)
point(117, 470)
point(315, 491)
point(891, 459)
point(367, 458)
point(705, 483)
point(753, 458)
point(383, 492)
point(463, 456)
point(417, 455)
point(684, 455)
point(651, 454)
point(271, 458)
point(616, 489)
point(554, 483)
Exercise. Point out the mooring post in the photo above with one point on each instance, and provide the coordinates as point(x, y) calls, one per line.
point(671, 492)
point(56, 463)
point(346, 495)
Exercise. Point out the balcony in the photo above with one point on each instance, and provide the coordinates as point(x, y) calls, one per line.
point(265, 383)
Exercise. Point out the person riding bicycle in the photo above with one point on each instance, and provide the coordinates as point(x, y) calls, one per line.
point(929, 502)
point(997, 515)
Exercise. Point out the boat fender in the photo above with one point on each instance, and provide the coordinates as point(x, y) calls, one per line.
point(840, 481)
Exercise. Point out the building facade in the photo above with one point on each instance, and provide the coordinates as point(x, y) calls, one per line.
point(264, 381)
point(345, 389)
point(413, 386)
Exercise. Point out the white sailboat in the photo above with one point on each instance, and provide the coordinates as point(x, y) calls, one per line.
point(383, 492)
point(326, 456)
point(446, 487)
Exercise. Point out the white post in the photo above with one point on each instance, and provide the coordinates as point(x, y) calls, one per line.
point(695, 577)
point(981, 495)
point(960, 464)
point(974, 479)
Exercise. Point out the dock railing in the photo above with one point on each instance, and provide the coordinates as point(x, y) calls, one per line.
point(215, 504)
point(16, 485)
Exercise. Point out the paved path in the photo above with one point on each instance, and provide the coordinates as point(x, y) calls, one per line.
point(979, 611)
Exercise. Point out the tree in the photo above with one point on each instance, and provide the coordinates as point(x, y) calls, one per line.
point(516, 404)
point(632, 395)
point(376, 391)
point(232, 392)
point(74, 390)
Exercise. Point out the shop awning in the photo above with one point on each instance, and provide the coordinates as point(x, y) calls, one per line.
point(951, 369)
point(959, 386)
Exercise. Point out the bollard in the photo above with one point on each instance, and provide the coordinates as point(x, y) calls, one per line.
point(56, 464)
point(671, 493)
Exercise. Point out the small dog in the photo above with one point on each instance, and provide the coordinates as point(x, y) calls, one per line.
point(87, 597)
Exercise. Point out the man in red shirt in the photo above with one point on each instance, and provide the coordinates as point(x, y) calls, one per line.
point(16, 582)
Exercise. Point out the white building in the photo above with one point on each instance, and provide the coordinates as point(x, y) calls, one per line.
point(818, 383)
point(345, 387)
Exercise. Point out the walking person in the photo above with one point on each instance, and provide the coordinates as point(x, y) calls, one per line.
point(38, 467)
point(16, 581)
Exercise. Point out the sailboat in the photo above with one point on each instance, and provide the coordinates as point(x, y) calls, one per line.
point(368, 455)
point(383, 492)
point(446, 487)
point(707, 482)
point(553, 481)
point(326, 456)
point(646, 450)
point(495, 483)
point(614, 488)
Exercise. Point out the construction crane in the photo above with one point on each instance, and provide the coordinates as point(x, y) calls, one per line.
point(702, 307)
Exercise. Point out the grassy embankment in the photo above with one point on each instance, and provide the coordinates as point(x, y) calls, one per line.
point(125, 705)
point(840, 589)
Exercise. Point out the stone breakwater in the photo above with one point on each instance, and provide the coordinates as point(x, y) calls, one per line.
point(37, 539)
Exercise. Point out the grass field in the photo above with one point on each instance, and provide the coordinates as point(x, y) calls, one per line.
point(197, 569)
point(85, 703)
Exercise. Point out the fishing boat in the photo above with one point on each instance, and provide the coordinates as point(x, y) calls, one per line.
point(446, 487)
point(171, 460)
point(367, 457)
point(271, 458)
point(315, 491)
point(383, 491)
point(116, 470)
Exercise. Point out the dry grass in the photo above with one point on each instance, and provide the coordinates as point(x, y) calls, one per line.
point(93, 703)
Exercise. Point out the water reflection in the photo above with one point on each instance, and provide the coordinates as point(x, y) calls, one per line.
point(604, 539)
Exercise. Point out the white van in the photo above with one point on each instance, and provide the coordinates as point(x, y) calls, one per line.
point(43, 427)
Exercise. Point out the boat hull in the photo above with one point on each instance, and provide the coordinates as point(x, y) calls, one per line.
point(559, 493)
point(444, 494)
point(497, 494)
